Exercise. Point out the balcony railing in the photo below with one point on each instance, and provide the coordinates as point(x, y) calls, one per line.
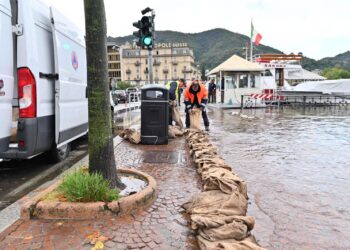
point(165, 71)
point(174, 62)
point(156, 63)
point(187, 71)
point(137, 63)
point(128, 71)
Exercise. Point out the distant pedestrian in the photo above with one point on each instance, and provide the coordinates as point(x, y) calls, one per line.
point(173, 87)
point(212, 91)
point(196, 95)
point(182, 86)
point(222, 87)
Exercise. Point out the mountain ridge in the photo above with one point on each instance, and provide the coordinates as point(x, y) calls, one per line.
point(211, 47)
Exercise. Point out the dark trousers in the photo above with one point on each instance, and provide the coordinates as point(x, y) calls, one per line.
point(204, 116)
point(212, 98)
point(180, 93)
point(170, 115)
point(222, 96)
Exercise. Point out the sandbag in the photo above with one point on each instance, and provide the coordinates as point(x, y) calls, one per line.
point(131, 135)
point(248, 243)
point(177, 117)
point(205, 152)
point(234, 230)
point(206, 166)
point(171, 132)
point(214, 160)
point(195, 119)
point(200, 145)
point(224, 180)
point(215, 202)
point(214, 221)
point(209, 150)
point(177, 130)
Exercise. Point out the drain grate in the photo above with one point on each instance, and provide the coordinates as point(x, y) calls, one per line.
point(168, 157)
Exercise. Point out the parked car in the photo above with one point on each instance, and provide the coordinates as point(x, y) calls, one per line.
point(43, 102)
point(120, 96)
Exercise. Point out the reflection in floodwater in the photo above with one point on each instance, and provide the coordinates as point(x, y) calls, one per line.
point(297, 166)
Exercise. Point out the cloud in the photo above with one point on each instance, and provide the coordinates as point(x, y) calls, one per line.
point(318, 28)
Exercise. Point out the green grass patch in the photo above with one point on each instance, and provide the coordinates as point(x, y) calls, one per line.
point(81, 186)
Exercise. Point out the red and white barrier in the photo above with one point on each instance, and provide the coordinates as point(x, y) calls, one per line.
point(266, 97)
point(261, 96)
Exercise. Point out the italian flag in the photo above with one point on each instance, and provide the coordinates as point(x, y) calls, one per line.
point(255, 36)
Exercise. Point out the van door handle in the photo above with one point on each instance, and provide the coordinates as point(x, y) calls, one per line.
point(48, 76)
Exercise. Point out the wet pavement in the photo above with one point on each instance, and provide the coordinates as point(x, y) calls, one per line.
point(162, 226)
point(296, 164)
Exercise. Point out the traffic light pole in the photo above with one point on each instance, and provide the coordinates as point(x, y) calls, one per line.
point(150, 63)
point(150, 54)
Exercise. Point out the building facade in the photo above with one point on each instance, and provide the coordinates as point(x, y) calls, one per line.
point(170, 61)
point(114, 62)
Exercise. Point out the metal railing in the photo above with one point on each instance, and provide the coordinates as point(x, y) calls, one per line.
point(247, 101)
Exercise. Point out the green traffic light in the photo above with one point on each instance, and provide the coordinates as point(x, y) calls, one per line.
point(147, 41)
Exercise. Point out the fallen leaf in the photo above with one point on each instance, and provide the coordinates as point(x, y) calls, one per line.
point(99, 245)
point(28, 237)
point(103, 238)
point(93, 237)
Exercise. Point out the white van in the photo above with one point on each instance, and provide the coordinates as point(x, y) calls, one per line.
point(43, 80)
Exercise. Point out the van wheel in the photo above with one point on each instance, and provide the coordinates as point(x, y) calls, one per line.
point(61, 153)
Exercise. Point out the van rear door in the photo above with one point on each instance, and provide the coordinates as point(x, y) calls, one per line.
point(71, 105)
point(6, 74)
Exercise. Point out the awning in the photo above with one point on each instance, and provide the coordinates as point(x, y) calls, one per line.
point(236, 63)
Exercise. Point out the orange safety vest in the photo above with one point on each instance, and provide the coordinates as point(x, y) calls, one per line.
point(202, 94)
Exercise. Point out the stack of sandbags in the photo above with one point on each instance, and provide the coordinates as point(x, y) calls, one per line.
point(218, 214)
point(131, 135)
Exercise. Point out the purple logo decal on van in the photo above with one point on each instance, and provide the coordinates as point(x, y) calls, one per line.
point(2, 93)
point(75, 62)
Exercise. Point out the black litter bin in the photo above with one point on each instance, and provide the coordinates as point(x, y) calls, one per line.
point(154, 114)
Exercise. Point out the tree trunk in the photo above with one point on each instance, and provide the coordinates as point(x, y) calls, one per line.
point(101, 150)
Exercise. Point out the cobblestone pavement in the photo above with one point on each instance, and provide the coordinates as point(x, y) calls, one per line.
point(162, 226)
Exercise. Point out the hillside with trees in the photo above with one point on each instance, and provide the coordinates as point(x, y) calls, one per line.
point(212, 47)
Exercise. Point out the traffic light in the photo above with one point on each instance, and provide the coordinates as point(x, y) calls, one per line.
point(147, 32)
point(138, 33)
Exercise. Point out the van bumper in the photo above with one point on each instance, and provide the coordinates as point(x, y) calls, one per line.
point(34, 136)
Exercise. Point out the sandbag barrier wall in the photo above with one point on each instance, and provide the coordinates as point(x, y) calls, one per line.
point(218, 213)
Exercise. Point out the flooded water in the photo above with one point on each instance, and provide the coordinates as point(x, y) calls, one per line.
point(297, 166)
point(133, 184)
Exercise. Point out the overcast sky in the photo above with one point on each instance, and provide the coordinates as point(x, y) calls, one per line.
point(318, 28)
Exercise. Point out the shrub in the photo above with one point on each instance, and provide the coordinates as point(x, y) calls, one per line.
point(81, 186)
point(123, 85)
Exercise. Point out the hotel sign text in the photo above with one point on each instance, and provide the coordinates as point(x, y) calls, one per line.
point(171, 45)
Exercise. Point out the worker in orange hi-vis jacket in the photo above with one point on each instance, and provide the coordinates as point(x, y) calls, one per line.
point(196, 95)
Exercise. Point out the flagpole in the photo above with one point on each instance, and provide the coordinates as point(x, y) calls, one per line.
point(251, 40)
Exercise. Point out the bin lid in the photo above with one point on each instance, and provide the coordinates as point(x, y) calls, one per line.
point(154, 92)
point(153, 86)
